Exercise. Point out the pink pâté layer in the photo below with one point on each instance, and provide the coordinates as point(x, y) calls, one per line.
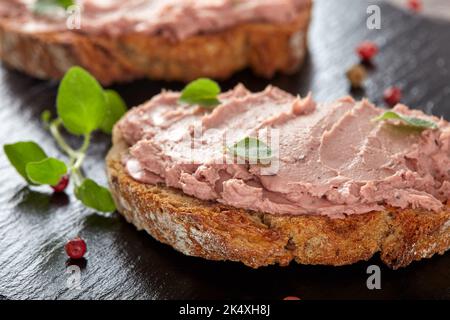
point(177, 19)
point(333, 159)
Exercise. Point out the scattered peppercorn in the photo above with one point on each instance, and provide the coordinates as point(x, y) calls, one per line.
point(356, 75)
point(367, 50)
point(292, 298)
point(76, 248)
point(392, 96)
point(62, 184)
point(415, 5)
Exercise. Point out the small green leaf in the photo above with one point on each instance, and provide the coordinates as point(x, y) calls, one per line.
point(64, 3)
point(251, 149)
point(420, 123)
point(81, 102)
point(410, 121)
point(46, 116)
point(48, 171)
point(46, 6)
point(94, 196)
point(115, 109)
point(202, 92)
point(22, 153)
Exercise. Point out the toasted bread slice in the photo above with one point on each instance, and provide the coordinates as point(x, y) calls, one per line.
point(218, 232)
point(264, 47)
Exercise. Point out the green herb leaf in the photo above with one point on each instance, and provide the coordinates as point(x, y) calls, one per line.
point(251, 149)
point(47, 6)
point(22, 153)
point(202, 92)
point(81, 102)
point(410, 121)
point(46, 116)
point(64, 3)
point(94, 196)
point(115, 109)
point(48, 171)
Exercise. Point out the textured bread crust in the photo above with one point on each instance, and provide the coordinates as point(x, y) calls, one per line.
point(264, 47)
point(218, 232)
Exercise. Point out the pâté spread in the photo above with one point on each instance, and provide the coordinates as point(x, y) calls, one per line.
point(332, 158)
point(177, 19)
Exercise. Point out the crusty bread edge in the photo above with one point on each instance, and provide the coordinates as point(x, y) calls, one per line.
point(264, 47)
point(217, 232)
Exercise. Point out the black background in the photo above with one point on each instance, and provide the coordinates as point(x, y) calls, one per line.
point(125, 264)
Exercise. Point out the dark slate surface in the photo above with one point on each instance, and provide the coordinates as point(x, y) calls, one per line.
point(123, 263)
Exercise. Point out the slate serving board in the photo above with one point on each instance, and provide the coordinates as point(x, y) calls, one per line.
point(123, 263)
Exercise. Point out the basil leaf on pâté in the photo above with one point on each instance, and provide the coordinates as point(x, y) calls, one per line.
point(48, 171)
point(95, 196)
point(64, 3)
point(410, 121)
point(47, 6)
point(115, 109)
point(22, 153)
point(202, 92)
point(251, 149)
point(81, 103)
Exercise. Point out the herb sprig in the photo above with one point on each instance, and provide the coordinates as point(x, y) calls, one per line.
point(252, 150)
point(83, 107)
point(410, 121)
point(202, 92)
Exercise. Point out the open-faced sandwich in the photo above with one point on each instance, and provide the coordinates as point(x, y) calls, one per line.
point(267, 178)
point(120, 40)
